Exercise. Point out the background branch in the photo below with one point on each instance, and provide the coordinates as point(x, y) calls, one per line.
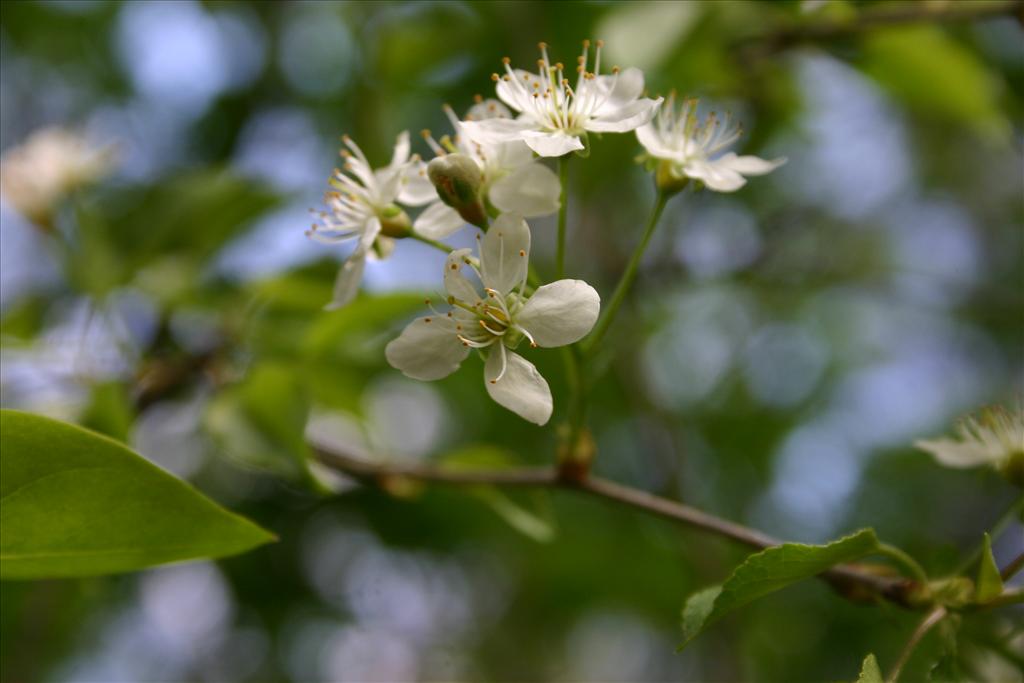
point(881, 16)
point(856, 582)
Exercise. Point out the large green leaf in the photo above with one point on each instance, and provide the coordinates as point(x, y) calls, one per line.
point(768, 571)
point(74, 503)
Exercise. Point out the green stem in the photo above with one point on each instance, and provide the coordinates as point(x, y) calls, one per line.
point(628, 275)
point(434, 243)
point(563, 208)
point(904, 560)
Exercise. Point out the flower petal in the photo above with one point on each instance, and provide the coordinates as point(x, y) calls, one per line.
point(625, 119)
point(550, 144)
point(346, 285)
point(492, 131)
point(956, 453)
point(714, 175)
point(520, 388)
point(455, 283)
point(560, 313)
point(427, 349)
point(505, 253)
point(620, 89)
point(749, 165)
point(401, 153)
point(649, 136)
point(437, 221)
point(531, 190)
point(415, 188)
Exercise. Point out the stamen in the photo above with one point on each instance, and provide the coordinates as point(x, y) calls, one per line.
point(504, 364)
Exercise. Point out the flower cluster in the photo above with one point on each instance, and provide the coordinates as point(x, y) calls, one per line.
point(490, 173)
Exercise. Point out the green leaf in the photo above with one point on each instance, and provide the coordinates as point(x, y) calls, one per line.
point(932, 73)
point(768, 571)
point(361, 323)
point(109, 411)
point(869, 671)
point(539, 526)
point(989, 583)
point(75, 503)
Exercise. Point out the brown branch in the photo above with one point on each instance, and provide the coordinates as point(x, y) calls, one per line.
point(855, 582)
point(891, 14)
point(1010, 570)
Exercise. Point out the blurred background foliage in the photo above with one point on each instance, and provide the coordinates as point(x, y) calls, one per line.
point(783, 347)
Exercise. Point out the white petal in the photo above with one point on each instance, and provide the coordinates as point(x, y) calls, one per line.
point(507, 156)
point(626, 118)
point(560, 313)
point(415, 188)
point(512, 94)
point(620, 89)
point(488, 109)
point(437, 221)
point(652, 141)
point(505, 253)
point(550, 144)
point(427, 349)
point(521, 388)
point(749, 165)
point(455, 283)
point(346, 285)
point(531, 190)
point(956, 453)
point(715, 176)
point(492, 131)
point(401, 153)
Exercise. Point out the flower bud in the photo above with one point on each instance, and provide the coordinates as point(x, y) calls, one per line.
point(394, 222)
point(458, 181)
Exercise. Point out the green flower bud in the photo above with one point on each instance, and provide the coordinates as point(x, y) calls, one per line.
point(458, 181)
point(394, 222)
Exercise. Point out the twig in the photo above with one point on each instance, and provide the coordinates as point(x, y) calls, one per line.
point(1010, 570)
point(929, 621)
point(855, 582)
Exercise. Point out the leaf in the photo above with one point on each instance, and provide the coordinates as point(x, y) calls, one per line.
point(869, 671)
point(932, 73)
point(75, 503)
point(989, 583)
point(768, 571)
point(109, 411)
point(538, 526)
point(363, 320)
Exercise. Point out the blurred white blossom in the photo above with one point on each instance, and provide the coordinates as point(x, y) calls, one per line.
point(687, 149)
point(37, 174)
point(994, 437)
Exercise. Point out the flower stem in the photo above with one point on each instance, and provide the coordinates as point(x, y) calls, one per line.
point(563, 177)
point(434, 243)
point(904, 560)
point(628, 275)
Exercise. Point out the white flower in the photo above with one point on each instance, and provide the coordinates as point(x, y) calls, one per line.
point(52, 162)
point(510, 178)
point(496, 321)
point(363, 207)
point(688, 148)
point(994, 437)
point(553, 115)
